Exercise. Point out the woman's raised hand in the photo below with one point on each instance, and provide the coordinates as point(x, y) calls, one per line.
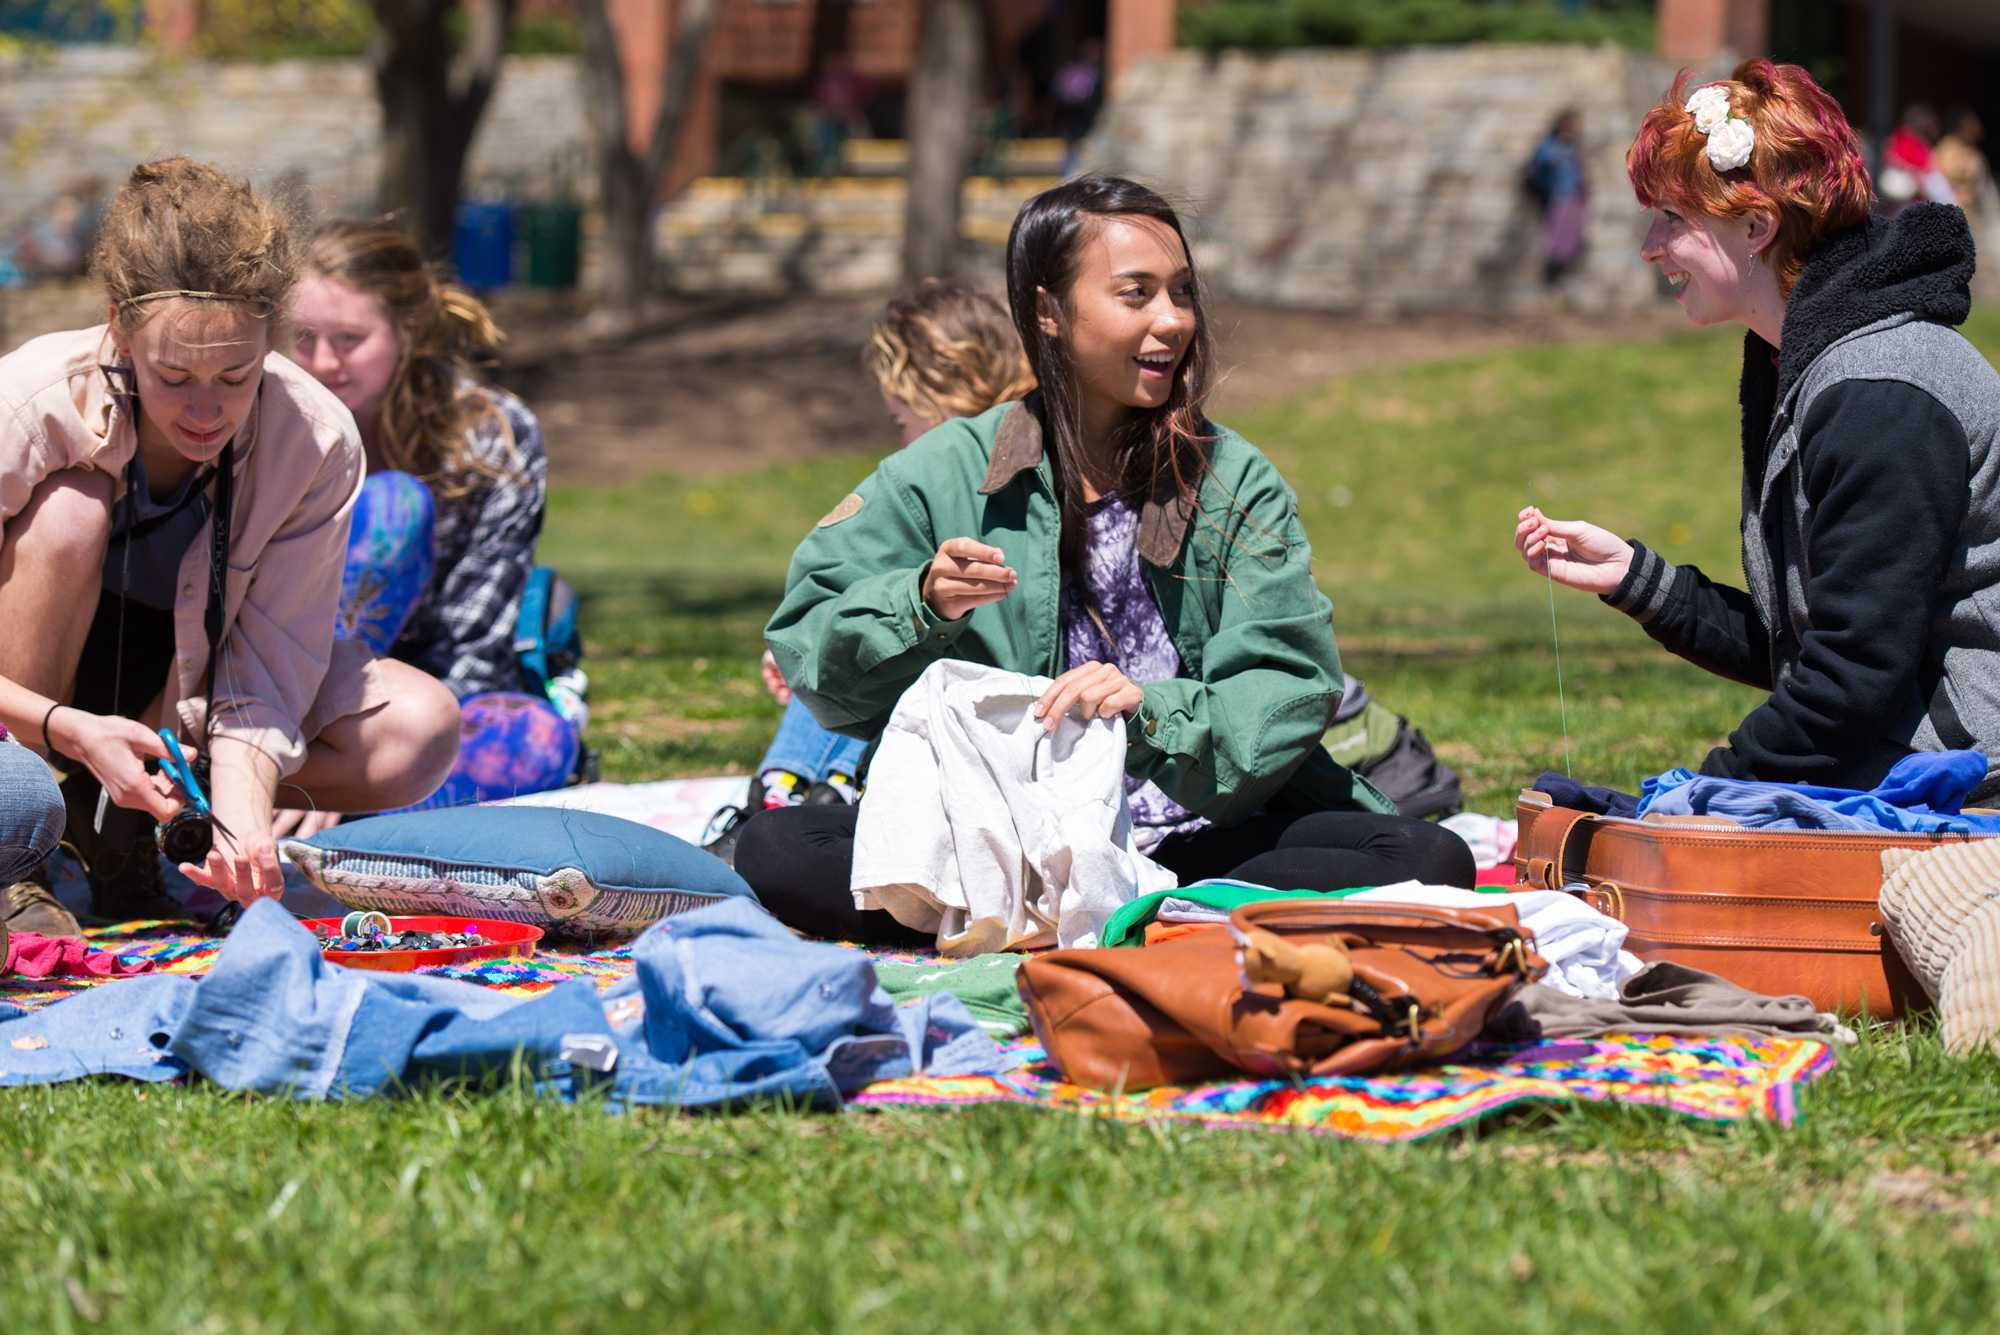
point(966, 573)
point(1571, 552)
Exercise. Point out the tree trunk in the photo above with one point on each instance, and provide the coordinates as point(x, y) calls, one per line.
point(431, 104)
point(628, 181)
point(628, 234)
point(940, 121)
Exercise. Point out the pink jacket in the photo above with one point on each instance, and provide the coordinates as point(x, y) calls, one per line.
point(298, 468)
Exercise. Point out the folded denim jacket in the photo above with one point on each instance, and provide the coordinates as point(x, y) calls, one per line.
point(724, 1006)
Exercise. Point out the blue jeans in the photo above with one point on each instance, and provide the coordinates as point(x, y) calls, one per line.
point(804, 748)
point(31, 812)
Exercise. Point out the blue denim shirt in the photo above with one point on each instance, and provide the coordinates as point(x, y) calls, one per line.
point(724, 1005)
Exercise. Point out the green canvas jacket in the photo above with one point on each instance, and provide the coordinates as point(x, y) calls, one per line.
point(1237, 734)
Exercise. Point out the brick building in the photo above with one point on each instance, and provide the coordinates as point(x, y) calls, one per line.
point(766, 57)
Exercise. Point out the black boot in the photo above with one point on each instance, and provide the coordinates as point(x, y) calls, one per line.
point(121, 862)
point(725, 827)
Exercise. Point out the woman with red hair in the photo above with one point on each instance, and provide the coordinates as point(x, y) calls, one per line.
point(1871, 444)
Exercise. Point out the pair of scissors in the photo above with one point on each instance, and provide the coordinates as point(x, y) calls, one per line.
point(176, 767)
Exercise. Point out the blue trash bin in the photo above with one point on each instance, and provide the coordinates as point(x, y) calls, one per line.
point(482, 245)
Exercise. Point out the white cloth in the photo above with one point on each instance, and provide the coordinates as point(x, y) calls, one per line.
point(1584, 948)
point(986, 829)
point(1490, 838)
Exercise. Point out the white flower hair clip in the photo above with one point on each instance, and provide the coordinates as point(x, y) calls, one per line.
point(1730, 138)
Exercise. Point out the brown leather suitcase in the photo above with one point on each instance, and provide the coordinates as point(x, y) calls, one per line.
point(1776, 911)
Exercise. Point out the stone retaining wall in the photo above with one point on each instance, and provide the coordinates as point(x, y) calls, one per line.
point(1379, 182)
point(95, 111)
point(1385, 182)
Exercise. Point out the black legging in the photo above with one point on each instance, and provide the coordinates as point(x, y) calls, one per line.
point(800, 861)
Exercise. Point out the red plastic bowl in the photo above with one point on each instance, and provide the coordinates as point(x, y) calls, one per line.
point(497, 940)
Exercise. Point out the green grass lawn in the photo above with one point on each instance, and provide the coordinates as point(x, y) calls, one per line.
point(185, 1209)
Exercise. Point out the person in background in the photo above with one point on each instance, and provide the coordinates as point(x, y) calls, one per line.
point(1556, 180)
point(445, 528)
point(1078, 91)
point(943, 351)
point(1871, 445)
point(1909, 162)
point(1962, 163)
point(1104, 533)
point(174, 507)
point(839, 105)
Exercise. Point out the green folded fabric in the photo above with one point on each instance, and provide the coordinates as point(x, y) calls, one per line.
point(1127, 927)
point(985, 983)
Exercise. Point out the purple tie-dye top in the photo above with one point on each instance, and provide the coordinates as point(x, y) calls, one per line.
point(1139, 645)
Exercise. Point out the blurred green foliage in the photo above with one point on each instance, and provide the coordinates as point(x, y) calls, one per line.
point(1276, 24)
point(255, 30)
point(284, 29)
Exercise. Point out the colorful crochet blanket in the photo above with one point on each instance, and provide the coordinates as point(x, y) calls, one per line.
point(1715, 1079)
point(174, 949)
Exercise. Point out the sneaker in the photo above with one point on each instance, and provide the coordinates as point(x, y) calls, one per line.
point(833, 790)
point(30, 906)
point(779, 788)
point(726, 825)
point(121, 862)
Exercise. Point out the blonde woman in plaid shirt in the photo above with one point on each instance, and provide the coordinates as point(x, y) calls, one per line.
point(445, 529)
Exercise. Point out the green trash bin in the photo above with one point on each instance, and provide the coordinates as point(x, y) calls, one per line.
point(553, 237)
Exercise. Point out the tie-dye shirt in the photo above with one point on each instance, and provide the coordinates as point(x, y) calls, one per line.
point(1139, 645)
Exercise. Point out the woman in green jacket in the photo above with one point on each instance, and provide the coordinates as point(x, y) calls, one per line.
point(1101, 532)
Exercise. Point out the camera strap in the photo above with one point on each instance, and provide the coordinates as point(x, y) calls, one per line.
point(225, 488)
point(218, 573)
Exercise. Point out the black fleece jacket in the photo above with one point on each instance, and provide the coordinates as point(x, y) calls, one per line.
point(1886, 472)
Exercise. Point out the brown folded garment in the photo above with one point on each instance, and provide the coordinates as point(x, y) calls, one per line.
point(1662, 998)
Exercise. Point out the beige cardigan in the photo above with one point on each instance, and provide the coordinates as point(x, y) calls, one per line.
point(299, 467)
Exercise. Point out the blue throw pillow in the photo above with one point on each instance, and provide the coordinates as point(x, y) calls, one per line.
point(577, 873)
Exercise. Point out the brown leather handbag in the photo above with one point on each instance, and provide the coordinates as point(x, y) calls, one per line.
point(1776, 911)
point(1423, 983)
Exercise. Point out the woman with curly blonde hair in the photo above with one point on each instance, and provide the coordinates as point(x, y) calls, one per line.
point(940, 352)
point(445, 529)
point(944, 351)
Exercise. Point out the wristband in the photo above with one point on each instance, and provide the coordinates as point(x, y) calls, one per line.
point(48, 743)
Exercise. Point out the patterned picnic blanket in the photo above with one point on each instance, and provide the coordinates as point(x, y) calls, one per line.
point(1717, 1079)
point(174, 949)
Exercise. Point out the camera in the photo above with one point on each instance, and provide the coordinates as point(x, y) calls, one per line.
point(188, 837)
